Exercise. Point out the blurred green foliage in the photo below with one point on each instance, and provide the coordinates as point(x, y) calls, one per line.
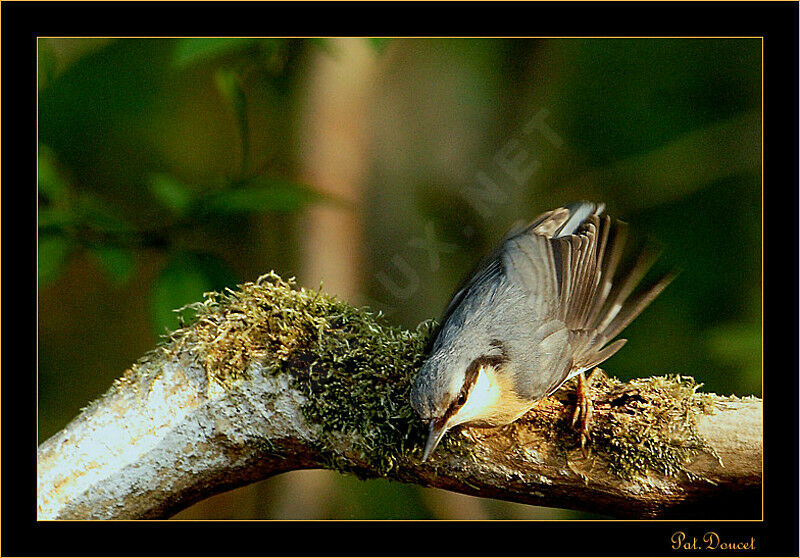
point(198, 50)
point(171, 193)
point(645, 93)
point(168, 167)
point(53, 252)
point(70, 217)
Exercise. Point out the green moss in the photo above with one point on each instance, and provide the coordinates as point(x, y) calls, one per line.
point(357, 381)
point(354, 370)
point(356, 373)
point(650, 425)
point(265, 320)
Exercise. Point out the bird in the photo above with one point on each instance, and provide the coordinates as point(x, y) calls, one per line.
point(543, 307)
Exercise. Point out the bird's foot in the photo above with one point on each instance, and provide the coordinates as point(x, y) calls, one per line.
point(582, 414)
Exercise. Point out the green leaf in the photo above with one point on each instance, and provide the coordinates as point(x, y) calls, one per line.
point(118, 263)
point(51, 256)
point(193, 51)
point(379, 44)
point(326, 45)
point(49, 179)
point(99, 214)
point(227, 82)
point(53, 217)
point(739, 344)
point(263, 194)
point(171, 193)
point(46, 62)
point(736, 342)
point(183, 281)
point(230, 87)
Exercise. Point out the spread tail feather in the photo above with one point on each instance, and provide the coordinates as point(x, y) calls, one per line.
point(593, 300)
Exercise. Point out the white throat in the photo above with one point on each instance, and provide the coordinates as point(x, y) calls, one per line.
point(482, 401)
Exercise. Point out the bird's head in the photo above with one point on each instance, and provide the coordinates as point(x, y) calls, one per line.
point(459, 385)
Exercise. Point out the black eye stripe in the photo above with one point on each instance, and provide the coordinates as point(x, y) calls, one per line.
point(471, 375)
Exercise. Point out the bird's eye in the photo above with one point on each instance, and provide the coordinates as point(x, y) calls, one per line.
point(462, 398)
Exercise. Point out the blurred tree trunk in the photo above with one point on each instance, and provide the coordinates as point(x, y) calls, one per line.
point(331, 152)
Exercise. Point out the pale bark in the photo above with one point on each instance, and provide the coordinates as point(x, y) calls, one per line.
point(171, 433)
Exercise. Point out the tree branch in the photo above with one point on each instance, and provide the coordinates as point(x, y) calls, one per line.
point(270, 379)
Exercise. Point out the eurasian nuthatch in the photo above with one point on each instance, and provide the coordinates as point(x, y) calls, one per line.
point(539, 310)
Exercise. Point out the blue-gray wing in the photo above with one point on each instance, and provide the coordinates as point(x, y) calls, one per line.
point(566, 262)
point(489, 269)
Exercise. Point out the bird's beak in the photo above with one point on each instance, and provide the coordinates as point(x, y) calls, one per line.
point(436, 430)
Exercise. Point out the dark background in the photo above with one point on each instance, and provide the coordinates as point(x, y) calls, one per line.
point(614, 104)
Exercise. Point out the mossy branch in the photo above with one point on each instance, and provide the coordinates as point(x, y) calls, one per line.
point(271, 378)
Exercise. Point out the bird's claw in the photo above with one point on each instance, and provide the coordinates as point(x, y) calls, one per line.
point(582, 414)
